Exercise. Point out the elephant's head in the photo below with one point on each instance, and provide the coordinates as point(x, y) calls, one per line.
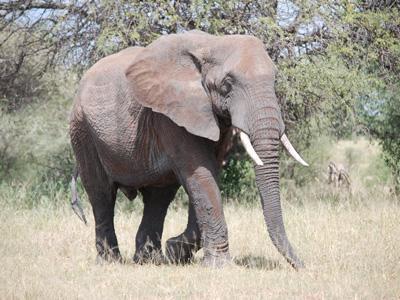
point(199, 80)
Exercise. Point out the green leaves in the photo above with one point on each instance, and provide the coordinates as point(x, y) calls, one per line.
point(237, 180)
point(338, 61)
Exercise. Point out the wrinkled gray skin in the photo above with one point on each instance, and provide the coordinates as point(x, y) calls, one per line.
point(152, 119)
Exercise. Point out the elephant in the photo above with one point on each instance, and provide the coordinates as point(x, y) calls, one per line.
point(152, 119)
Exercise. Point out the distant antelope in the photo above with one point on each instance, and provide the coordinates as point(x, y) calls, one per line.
point(338, 175)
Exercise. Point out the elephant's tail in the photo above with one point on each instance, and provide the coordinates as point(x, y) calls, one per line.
point(76, 207)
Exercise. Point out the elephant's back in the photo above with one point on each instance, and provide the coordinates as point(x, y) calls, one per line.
point(107, 104)
point(105, 82)
point(111, 67)
point(104, 93)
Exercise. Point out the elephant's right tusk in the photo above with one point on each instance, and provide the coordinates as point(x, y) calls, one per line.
point(291, 150)
point(249, 148)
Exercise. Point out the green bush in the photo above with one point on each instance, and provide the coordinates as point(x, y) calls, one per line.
point(237, 181)
point(9, 132)
point(36, 156)
point(316, 155)
point(382, 117)
point(387, 129)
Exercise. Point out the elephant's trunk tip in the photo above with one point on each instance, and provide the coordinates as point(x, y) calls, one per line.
point(298, 265)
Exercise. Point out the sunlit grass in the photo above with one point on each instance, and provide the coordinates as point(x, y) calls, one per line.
point(351, 251)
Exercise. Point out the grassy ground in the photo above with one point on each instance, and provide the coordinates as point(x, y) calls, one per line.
point(350, 251)
point(349, 241)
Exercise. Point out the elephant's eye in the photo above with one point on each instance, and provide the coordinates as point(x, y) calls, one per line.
point(226, 87)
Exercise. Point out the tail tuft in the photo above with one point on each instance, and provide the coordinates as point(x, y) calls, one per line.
point(76, 207)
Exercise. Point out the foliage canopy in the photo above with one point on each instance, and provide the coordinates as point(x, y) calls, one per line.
point(338, 60)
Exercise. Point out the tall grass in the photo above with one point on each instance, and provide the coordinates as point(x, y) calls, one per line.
point(350, 250)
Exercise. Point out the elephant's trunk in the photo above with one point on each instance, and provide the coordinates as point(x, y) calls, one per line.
point(265, 135)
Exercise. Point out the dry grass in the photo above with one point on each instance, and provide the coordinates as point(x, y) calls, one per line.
point(350, 246)
point(350, 252)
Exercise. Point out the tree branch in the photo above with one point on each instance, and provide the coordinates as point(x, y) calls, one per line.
point(28, 5)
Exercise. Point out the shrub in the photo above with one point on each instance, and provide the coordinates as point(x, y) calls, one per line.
point(237, 181)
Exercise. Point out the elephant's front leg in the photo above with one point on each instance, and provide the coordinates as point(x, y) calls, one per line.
point(204, 194)
point(148, 238)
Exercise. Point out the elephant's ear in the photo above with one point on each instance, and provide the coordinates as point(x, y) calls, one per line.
point(167, 79)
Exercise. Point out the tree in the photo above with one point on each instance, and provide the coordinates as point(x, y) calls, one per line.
point(335, 58)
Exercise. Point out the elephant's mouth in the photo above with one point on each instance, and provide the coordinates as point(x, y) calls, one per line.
point(254, 156)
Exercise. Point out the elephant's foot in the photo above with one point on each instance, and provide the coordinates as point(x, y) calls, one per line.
point(149, 255)
point(181, 250)
point(107, 255)
point(216, 256)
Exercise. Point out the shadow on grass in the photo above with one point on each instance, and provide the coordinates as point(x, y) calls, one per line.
point(247, 261)
point(257, 262)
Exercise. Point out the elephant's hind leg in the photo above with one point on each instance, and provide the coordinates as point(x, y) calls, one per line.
point(101, 192)
point(102, 196)
point(148, 238)
point(181, 249)
point(103, 202)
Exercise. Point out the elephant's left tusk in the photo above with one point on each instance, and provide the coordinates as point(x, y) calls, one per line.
point(291, 150)
point(249, 148)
